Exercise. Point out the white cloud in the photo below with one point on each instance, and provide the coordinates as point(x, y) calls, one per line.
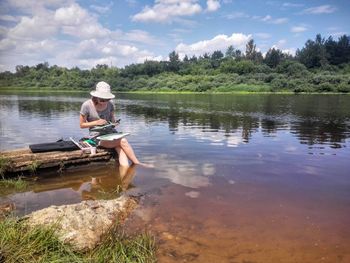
point(72, 15)
point(37, 37)
point(9, 18)
point(7, 44)
point(338, 34)
point(278, 21)
point(263, 35)
point(287, 4)
point(236, 15)
point(101, 9)
point(37, 27)
point(168, 10)
point(35, 6)
point(78, 22)
point(279, 45)
point(298, 29)
point(323, 9)
point(336, 31)
point(140, 36)
point(270, 20)
point(266, 18)
point(3, 32)
point(220, 42)
point(213, 5)
point(281, 42)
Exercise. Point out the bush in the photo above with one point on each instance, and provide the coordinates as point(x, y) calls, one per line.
point(344, 88)
point(279, 84)
point(325, 87)
point(239, 67)
point(292, 68)
point(303, 88)
point(263, 69)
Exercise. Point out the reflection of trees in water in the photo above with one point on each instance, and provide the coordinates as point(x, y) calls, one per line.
point(46, 108)
point(317, 132)
point(314, 119)
point(225, 123)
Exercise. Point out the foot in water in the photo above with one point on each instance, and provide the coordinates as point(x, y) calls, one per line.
point(146, 165)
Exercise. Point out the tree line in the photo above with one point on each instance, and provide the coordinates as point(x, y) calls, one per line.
point(322, 65)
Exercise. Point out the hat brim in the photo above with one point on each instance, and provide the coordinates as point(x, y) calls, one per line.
point(102, 95)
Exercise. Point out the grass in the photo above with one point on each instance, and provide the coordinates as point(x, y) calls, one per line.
point(118, 247)
point(33, 166)
point(108, 195)
point(21, 243)
point(5, 164)
point(11, 185)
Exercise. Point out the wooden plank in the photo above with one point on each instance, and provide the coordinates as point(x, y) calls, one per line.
point(23, 160)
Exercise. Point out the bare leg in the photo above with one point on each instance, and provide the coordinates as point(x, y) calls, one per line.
point(123, 159)
point(127, 149)
point(122, 146)
point(126, 175)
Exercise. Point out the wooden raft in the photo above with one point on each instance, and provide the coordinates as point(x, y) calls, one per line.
point(23, 160)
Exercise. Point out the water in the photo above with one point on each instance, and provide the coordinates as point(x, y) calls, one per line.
point(237, 178)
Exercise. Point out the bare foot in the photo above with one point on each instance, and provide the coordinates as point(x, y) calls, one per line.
point(146, 165)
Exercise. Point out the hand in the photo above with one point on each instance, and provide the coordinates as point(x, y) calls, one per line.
point(101, 122)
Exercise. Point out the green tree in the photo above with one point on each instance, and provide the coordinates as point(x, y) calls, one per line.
point(215, 58)
point(217, 55)
point(314, 53)
point(273, 57)
point(338, 51)
point(251, 53)
point(174, 62)
point(238, 54)
point(230, 52)
point(250, 50)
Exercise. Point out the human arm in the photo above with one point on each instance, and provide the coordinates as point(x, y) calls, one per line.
point(88, 124)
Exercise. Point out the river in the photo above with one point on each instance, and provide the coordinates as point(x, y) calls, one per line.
point(237, 178)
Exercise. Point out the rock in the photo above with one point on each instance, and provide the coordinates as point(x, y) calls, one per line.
point(83, 224)
point(6, 209)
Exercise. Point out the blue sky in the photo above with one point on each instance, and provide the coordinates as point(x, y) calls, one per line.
point(85, 33)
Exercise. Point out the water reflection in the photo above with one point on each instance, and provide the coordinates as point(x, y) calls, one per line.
point(103, 181)
point(313, 119)
point(237, 169)
point(310, 118)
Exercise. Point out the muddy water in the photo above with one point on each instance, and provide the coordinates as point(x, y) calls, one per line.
point(237, 178)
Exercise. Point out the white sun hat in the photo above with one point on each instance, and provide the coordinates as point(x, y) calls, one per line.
point(103, 91)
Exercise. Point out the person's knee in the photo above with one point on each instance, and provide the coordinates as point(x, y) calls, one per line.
point(124, 143)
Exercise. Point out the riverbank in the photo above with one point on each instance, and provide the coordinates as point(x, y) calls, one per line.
point(90, 231)
point(257, 90)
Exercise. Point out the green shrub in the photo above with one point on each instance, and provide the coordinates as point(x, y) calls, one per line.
point(344, 88)
point(292, 68)
point(279, 84)
point(325, 87)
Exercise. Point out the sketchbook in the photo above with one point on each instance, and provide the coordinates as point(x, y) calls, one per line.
point(112, 136)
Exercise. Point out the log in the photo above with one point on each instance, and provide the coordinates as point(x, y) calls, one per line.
point(23, 160)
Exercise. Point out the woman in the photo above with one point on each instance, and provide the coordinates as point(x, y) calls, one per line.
point(99, 111)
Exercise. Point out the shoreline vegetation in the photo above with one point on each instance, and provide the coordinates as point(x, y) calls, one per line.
point(44, 91)
point(321, 66)
point(20, 242)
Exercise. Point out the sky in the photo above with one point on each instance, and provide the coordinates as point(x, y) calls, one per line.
point(77, 33)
